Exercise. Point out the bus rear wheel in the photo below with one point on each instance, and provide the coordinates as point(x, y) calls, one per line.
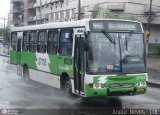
point(26, 74)
point(68, 86)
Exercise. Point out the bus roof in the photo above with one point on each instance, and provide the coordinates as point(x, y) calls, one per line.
point(79, 23)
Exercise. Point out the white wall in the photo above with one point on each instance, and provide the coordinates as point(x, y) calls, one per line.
point(155, 2)
point(92, 2)
point(134, 8)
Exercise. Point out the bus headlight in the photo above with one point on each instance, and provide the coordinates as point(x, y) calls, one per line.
point(99, 85)
point(140, 84)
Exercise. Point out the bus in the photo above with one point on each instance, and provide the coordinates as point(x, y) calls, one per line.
point(88, 58)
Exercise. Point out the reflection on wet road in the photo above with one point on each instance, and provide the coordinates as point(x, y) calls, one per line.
point(15, 93)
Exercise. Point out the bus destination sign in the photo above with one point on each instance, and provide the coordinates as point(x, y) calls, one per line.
point(113, 25)
point(121, 26)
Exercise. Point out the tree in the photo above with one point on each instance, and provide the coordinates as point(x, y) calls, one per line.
point(1, 32)
point(96, 10)
point(6, 36)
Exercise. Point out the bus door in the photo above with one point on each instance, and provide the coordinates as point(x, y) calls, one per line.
point(18, 49)
point(79, 62)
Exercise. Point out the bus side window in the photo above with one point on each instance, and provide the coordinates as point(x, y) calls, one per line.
point(66, 42)
point(13, 40)
point(42, 42)
point(32, 41)
point(25, 46)
point(52, 44)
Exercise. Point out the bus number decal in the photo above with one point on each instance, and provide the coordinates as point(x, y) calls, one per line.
point(42, 61)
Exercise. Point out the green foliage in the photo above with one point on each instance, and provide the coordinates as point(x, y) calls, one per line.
point(96, 11)
point(157, 49)
point(1, 32)
point(6, 33)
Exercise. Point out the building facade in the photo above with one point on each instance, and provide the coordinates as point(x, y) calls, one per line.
point(16, 12)
point(30, 12)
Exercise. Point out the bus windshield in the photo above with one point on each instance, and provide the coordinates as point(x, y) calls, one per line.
point(126, 56)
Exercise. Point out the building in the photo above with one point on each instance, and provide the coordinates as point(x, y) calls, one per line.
point(30, 12)
point(16, 12)
point(22, 12)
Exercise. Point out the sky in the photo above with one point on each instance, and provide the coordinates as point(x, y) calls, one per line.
point(4, 10)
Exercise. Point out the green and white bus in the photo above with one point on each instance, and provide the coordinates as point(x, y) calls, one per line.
point(89, 58)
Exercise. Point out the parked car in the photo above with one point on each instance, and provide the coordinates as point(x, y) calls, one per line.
point(1, 41)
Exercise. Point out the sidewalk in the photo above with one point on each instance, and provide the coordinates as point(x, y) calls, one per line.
point(3, 51)
point(153, 67)
point(5, 55)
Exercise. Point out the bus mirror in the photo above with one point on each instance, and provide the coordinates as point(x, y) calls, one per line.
point(86, 46)
point(86, 34)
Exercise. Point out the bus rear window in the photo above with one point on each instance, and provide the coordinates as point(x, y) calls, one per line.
point(42, 42)
point(13, 40)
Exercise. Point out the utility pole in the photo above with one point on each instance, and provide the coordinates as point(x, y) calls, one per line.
point(79, 9)
point(149, 26)
point(4, 25)
point(40, 12)
point(150, 18)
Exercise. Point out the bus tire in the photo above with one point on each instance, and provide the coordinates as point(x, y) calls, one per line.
point(26, 74)
point(68, 86)
point(84, 100)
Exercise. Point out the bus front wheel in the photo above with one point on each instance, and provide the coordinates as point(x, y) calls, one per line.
point(26, 74)
point(68, 86)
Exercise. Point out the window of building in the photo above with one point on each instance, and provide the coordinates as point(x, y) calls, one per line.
point(73, 13)
point(13, 40)
point(56, 15)
point(66, 42)
point(51, 6)
point(52, 16)
point(67, 14)
point(62, 15)
point(33, 41)
point(47, 6)
point(47, 16)
point(42, 42)
point(69, 0)
point(52, 45)
point(116, 11)
point(25, 46)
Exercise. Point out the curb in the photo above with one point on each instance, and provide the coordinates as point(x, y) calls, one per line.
point(153, 84)
point(4, 55)
point(153, 69)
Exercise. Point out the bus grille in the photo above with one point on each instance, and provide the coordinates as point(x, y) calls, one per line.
point(120, 93)
point(121, 85)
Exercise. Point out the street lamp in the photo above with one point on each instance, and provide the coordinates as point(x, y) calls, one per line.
point(4, 19)
point(79, 9)
point(149, 19)
point(4, 25)
point(149, 26)
point(40, 13)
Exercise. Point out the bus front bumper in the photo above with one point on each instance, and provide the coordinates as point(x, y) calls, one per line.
point(115, 92)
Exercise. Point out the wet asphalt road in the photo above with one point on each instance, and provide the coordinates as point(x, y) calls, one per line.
point(15, 93)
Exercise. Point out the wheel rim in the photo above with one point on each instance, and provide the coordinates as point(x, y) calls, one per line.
point(68, 86)
point(26, 75)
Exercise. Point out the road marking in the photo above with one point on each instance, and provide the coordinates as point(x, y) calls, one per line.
point(4, 103)
point(102, 79)
point(141, 107)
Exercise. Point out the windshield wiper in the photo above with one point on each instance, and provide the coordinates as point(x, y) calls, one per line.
point(108, 36)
